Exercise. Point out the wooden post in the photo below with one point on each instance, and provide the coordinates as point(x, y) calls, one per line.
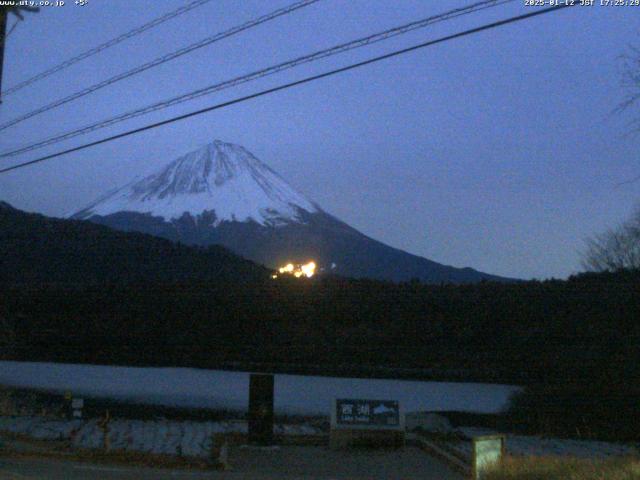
point(104, 425)
point(220, 451)
point(261, 409)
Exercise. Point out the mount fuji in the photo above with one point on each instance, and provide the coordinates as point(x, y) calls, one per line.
point(222, 194)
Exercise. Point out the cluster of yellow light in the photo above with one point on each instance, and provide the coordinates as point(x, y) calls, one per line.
point(307, 270)
point(288, 268)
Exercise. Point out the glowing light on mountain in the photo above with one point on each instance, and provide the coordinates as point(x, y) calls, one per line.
point(307, 270)
point(288, 268)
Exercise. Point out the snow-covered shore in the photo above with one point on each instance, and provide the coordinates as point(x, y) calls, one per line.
point(192, 439)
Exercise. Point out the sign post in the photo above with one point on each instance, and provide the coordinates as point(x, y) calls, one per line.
point(360, 422)
point(77, 404)
point(488, 450)
point(68, 410)
point(261, 409)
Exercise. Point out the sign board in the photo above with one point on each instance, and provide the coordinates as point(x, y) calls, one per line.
point(366, 423)
point(375, 413)
point(487, 451)
point(77, 403)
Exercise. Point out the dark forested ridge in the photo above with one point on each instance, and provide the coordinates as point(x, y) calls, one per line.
point(320, 236)
point(36, 249)
point(127, 298)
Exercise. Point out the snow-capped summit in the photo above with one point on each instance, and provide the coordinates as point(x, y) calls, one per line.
point(220, 177)
point(222, 195)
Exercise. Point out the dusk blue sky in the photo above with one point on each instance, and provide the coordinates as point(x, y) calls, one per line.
point(497, 151)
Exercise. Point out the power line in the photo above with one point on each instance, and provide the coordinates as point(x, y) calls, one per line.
point(293, 84)
point(104, 46)
point(361, 42)
point(13, 27)
point(163, 59)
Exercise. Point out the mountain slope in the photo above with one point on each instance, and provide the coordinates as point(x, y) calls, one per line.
point(222, 194)
point(219, 176)
point(38, 249)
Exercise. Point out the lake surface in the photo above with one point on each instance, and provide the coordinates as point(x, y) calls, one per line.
point(294, 394)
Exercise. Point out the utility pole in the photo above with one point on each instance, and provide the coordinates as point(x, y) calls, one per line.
point(3, 36)
point(4, 14)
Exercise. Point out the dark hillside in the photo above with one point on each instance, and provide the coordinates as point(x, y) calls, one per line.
point(36, 249)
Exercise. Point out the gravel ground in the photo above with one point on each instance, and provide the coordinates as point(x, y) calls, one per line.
point(324, 463)
point(284, 463)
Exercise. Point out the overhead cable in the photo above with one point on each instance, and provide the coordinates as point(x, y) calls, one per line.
point(160, 60)
point(292, 84)
point(103, 46)
point(361, 42)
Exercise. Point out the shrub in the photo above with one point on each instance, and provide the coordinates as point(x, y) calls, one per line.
point(595, 410)
point(561, 468)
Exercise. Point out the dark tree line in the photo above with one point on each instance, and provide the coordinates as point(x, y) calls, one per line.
point(528, 332)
